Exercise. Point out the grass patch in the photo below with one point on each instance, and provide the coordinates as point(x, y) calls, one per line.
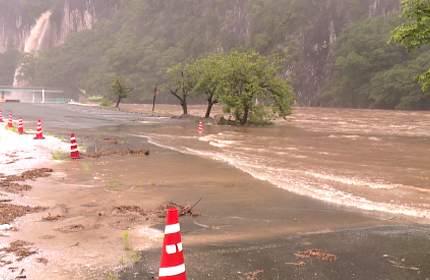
point(87, 166)
point(13, 129)
point(126, 240)
point(113, 185)
point(57, 155)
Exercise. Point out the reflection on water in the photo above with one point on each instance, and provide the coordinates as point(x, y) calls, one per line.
point(367, 159)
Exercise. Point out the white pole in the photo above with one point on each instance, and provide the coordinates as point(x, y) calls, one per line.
point(43, 96)
point(33, 97)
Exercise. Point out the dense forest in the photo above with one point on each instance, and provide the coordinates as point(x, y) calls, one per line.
point(336, 52)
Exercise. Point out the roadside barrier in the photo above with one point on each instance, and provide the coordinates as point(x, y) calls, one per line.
point(200, 127)
point(1, 116)
point(74, 154)
point(39, 134)
point(9, 123)
point(20, 126)
point(172, 265)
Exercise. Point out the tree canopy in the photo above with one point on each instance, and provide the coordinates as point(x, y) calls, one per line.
point(369, 73)
point(121, 88)
point(246, 84)
point(415, 32)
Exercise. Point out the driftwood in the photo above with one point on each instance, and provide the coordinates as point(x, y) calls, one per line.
point(182, 210)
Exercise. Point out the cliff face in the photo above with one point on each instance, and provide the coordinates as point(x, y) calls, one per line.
point(312, 26)
point(72, 16)
point(311, 65)
point(14, 26)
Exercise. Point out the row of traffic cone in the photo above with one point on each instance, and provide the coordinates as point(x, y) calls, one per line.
point(172, 265)
point(74, 154)
point(39, 134)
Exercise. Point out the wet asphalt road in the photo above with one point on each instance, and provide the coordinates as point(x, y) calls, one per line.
point(69, 117)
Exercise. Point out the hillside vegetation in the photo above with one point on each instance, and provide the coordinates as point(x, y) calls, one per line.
point(335, 51)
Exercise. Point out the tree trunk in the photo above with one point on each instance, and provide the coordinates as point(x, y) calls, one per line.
point(208, 110)
point(184, 105)
point(153, 103)
point(245, 116)
point(119, 100)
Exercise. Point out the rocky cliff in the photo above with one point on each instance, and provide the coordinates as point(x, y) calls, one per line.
point(312, 62)
point(72, 16)
point(14, 26)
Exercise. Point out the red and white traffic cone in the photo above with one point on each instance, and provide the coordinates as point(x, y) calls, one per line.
point(39, 134)
point(1, 116)
point(9, 123)
point(74, 154)
point(172, 265)
point(200, 127)
point(20, 126)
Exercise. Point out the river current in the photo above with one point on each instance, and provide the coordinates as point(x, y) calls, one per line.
point(372, 160)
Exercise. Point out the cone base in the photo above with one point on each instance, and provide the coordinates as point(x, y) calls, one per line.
point(39, 138)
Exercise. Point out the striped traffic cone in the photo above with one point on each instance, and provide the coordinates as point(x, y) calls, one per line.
point(172, 265)
point(9, 123)
point(39, 134)
point(74, 154)
point(1, 116)
point(20, 126)
point(200, 127)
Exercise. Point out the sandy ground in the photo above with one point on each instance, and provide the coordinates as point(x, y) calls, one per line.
point(44, 234)
point(73, 224)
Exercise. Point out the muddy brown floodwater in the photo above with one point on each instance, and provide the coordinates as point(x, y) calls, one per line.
point(102, 219)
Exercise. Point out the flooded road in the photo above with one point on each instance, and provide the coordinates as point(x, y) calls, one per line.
point(358, 176)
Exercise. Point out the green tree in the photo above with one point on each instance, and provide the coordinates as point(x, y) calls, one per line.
point(120, 88)
point(361, 54)
point(252, 86)
point(8, 63)
point(414, 33)
point(209, 74)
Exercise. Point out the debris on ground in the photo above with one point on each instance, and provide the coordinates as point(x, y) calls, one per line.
point(299, 263)
point(124, 152)
point(20, 248)
point(253, 274)
point(72, 228)
point(182, 210)
point(399, 265)
point(135, 214)
point(52, 218)
point(106, 140)
point(8, 185)
point(8, 212)
point(315, 253)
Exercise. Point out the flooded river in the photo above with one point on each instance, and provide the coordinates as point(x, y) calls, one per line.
point(365, 159)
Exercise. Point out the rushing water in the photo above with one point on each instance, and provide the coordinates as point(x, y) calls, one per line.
point(367, 159)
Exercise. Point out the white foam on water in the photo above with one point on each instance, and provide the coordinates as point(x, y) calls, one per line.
point(256, 161)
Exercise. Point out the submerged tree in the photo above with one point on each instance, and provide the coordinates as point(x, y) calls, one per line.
point(209, 73)
point(252, 87)
point(120, 88)
point(416, 32)
point(182, 83)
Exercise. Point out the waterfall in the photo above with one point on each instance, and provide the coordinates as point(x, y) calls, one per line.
point(37, 35)
point(37, 41)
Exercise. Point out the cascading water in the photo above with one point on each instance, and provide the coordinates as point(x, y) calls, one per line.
point(37, 41)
